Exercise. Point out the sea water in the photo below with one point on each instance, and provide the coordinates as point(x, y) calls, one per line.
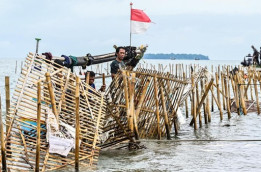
point(228, 145)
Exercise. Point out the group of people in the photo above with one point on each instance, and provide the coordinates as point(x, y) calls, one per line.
point(115, 66)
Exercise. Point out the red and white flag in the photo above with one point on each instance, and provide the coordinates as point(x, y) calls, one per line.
point(140, 22)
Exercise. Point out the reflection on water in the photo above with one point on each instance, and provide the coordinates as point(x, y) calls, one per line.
point(182, 154)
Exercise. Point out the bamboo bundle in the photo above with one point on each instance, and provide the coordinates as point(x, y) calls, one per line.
point(57, 88)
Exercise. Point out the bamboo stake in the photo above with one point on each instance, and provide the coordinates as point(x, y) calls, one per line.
point(7, 107)
point(207, 104)
point(126, 94)
point(193, 103)
point(87, 79)
point(227, 97)
point(7, 99)
point(197, 104)
point(218, 97)
point(166, 120)
point(256, 92)
point(222, 91)
point(157, 106)
point(77, 123)
point(186, 100)
point(212, 99)
point(131, 96)
point(2, 141)
point(242, 100)
point(37, 161)
point(51, 93)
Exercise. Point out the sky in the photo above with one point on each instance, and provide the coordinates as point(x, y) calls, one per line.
point(220, 29)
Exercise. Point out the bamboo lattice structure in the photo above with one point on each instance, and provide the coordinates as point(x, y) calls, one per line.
point(58, 88)
point(143, 104)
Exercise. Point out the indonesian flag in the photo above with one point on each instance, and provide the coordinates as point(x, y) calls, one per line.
point(139, 21)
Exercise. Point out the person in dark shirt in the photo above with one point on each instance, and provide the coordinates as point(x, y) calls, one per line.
point(91, 81)
point(118, 62)
point(255, 56)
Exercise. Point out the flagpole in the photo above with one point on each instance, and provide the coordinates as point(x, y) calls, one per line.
point(130, 21)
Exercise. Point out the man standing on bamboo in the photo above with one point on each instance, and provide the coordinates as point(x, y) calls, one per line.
point(118, 62)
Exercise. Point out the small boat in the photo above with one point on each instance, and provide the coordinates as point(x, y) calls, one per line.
point(197, 58)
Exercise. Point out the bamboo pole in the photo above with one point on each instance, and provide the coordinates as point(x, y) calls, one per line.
point(186, 100)
point(87, 78)
point(131, 99)
point(157, 106)
point(207, 104)
point(218, 97)
point(2, 141)
point(222, 91)
point(37, 161)
point(77, 123)
point(193, 103)
point(166, 120)
point(7, 99)
point(7, 107)
point(227, 97)
point(51, 93)
point(126, 94)
point(197, 104)
point(212, 99)
point(204, 103)
point(242, 100)
point(256, 92)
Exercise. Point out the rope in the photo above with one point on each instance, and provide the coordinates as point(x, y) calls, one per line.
point(204, 140)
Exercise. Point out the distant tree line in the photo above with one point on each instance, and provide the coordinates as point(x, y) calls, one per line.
point(176, 56)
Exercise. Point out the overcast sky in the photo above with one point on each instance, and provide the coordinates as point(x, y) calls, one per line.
point(220, 29)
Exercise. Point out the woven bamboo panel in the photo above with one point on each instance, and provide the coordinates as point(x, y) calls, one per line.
point(21, 136)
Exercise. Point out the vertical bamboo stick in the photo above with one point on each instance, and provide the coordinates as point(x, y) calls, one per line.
point(126, 95)
point(166, 119)
point(37, 161)
point(207, 104)
point(186, 100)
point(157, 106)
point(227, 97)
point(193, 103)
point(51, 93)
point(222, 91)
point(204, 103)
point(87, 78)
point(212, 99)
point(7, 107)
point(256, 92)
point(2, 140)
point(242, 99)
point(218, 97)
point(7, 100)
point(197, 103)
point(236, 93)
point(77, 123)
point(131, 95)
